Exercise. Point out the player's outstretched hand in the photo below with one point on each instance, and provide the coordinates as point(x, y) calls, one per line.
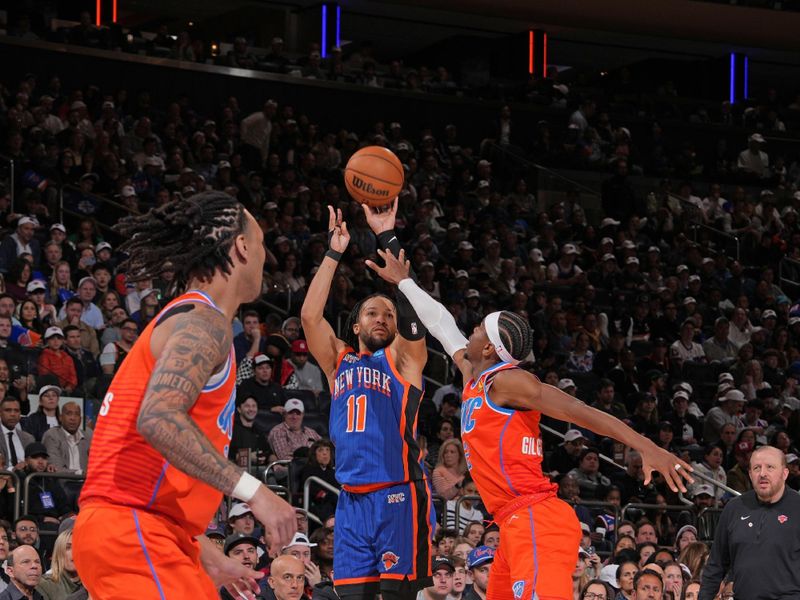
point(277, 516)
point(381, 218)
point(338, 236)
point(396, 269)
point(673, 469)
point(240, 581)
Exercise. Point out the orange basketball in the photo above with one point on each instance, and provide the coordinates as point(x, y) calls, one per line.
point(374, 176)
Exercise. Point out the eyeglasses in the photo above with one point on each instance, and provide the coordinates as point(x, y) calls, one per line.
point(593, 596)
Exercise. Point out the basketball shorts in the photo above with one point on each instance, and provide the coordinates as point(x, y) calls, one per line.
point(129, 554)
point(537, 554)
point(382, 538)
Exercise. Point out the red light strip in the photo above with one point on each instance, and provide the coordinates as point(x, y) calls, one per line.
point(530, 52)
point(97, 18)
point(114, 12)
point(544, 63)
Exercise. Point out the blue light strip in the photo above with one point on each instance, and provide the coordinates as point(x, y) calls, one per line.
point(746, 77)
point(324, 31)
point(732, 92)
point(339, 26)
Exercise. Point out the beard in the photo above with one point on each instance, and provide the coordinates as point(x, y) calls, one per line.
point(373, 344)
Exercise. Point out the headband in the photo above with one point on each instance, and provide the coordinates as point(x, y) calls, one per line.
point(493, 332)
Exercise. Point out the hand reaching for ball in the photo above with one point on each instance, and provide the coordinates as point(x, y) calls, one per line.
point(381, 218)
point(338, 236)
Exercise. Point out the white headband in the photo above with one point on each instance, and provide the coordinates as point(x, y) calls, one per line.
point(493, 332)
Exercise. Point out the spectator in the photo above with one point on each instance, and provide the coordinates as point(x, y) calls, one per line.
point(468, 510)
point(54, 360)
point(685, 348)
point(686, 427)
point(626, 572)
point(287, 578)
point(22, 241)
point(753, 160)
point(648, 585)
point(90, 314)
point(24, 569)
point(479, 564)
point(451, 469)
point(323, 553)
point(15, 440)
point(321, 464)
point(48, 502)
point(591, 481)
point(442, 570)
point(249, 436)
point(300, 548)
point(62, 579)
point(309, 375)
point(243, 548)
point(287, 437)
point(268, 394)
point(249, 342)
point(631, 481)
point(241, 520)
point(87, 368)
point(719, 347)
point(68, 445)
point(73, 310)
point(730, 405)
point(565, 457)
point(115, 352)
point(686, 535)
point(47, 415)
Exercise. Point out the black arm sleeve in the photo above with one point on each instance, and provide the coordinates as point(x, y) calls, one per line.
point(408, 323)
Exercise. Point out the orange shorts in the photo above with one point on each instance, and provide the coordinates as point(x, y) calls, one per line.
point(124, 553)
point(537, 554)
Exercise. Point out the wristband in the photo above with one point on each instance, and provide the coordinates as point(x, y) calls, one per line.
point(388, 241)
point(246, 488)
point(337, 256)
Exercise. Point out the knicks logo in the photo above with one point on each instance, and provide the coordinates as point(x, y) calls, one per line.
point(389, 560)
point(518, 588)
point(782, 519)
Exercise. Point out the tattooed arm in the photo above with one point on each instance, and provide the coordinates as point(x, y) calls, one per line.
point(189, 348)
point(198, 344)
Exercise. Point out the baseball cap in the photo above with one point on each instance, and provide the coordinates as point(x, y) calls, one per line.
point(792, 458)
point(684, 529)
point(27, 221)
point(294, 404)
point(215, 531)
point(127, 191)
point(654, 249)
point(536, 255)
point(472, 293)
point(606, 240)
point(565, 383)
point(89, 278)
point(681, 268)
point(51, 331)
point(59, 226)
point(686, 387)
point(694, 278)
point(569, 249)
point(608, 222)
point(442, 562)
point(680, 394)
point(102, 246)
point(480, 556)
point(724, 377)
point(35, 449)
point(703, 489)
point(465, 245)
point(608, 574)
point(585, 527)
point(271, 206)
point(769, 314)
point(572, 435)
point(223, 164)
point(238, 510)
point(36, 285)
point(153, 161)
point(743, 448)
point(735, 395)
point(757, 137)
point(631, 260)
point(235, 539)
point(260, 359)
point(791, 403)
point(50, 388)
point(462, 274)
point(689, 300)
point(582, 552)
point(628, 245)
point(299, 539)
point(609, 256)
point(299, 347)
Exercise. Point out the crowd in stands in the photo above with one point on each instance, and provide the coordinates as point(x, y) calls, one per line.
point(696, 350)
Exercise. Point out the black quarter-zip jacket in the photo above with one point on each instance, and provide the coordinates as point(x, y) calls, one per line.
point(759, 544)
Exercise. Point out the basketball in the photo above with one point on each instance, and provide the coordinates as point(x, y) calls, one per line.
point(374, 176)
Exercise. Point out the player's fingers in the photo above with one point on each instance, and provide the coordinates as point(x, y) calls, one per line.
point(402, 256)
point(344, 229)
point(339, 218)
point(331, 218)
point(372, 266)
point(395, 204)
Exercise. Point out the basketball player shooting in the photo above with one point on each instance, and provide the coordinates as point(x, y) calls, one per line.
point(384, 516)
point(502, 405)
point(158, 468)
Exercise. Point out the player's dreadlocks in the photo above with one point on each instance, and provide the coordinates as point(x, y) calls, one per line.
point(348, 335)
point(516, 334)
point(194, 234)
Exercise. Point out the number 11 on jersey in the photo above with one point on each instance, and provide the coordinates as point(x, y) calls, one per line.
point(356, 413)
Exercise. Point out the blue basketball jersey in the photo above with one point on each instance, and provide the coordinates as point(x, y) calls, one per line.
point(373, 422)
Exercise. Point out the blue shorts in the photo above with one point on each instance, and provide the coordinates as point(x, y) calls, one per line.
point(383, 538)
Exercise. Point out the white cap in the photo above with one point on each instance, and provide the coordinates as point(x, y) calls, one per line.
point(734, 395)
point(628, 245)
point(572, 435)
point(50, 388)
point(708, 260)
point(681, 268)
point(299, 539)
point(631, 260)
point(608, 221)
point(27, 221)
point(681, 394)
point(59, 226)
point(791, 403)
point(536, 255)
point(127, 191)
point(703, 489)
point(686, 387)
point(36, 284)
point(693, 278)
point(769, 314)
point(472, 293)
point(461, 273)
point(465, 245)
point(102, 246)
point(790, 458)
point(724, 377)
point(757, 137)
point(294, 404)
point(654, 249)
point(238, 510)
point(606, 240)
point(609, 256)
point(85, 279)
point(569, 249)
point(565, 383)
point(689, 300)
point(51, 331)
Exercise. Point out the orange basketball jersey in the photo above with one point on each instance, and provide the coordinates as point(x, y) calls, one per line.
point(503, 447)
point(125, 470)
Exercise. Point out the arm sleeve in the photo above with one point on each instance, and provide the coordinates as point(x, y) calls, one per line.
point(718, 561)
point(434, 316)
point(408, 322)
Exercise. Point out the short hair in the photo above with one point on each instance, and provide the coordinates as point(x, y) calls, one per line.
point(70, 328)
point(622, 564)
point(22, 518)
point(444, 533)
point(74, 300)
point(129, 320)
point(646, 573)
point(458, 561)
point(10, 399)
point(251, 313)
point(784, 464)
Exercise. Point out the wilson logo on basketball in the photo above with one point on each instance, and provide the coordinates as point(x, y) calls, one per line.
point(389, 560)
point(367, 187)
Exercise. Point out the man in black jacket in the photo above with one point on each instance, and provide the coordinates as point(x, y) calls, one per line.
point(757, 540)
point(268, 394)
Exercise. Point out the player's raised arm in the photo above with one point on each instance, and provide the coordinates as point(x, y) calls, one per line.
point(520, 390)
point(322, 341)
point(198, 344)
point(433, 314)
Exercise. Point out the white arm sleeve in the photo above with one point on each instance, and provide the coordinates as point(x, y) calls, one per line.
point(434, 316)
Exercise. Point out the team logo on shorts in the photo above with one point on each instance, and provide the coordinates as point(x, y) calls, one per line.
point(396, 498)
point(389, 560)
point(518, 588)
point(782, 519)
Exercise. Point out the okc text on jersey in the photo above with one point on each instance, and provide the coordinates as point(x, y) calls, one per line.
point(363, 377)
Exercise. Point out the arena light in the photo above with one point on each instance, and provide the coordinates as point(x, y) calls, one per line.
point(114, 11)
point(544, 55)
point(746, 77)
point(732, 80)
point(324, 30)
point(530, 51)
point(338, 26)
point(97, 20)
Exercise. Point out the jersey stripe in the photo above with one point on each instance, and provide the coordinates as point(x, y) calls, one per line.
point(147, 555)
